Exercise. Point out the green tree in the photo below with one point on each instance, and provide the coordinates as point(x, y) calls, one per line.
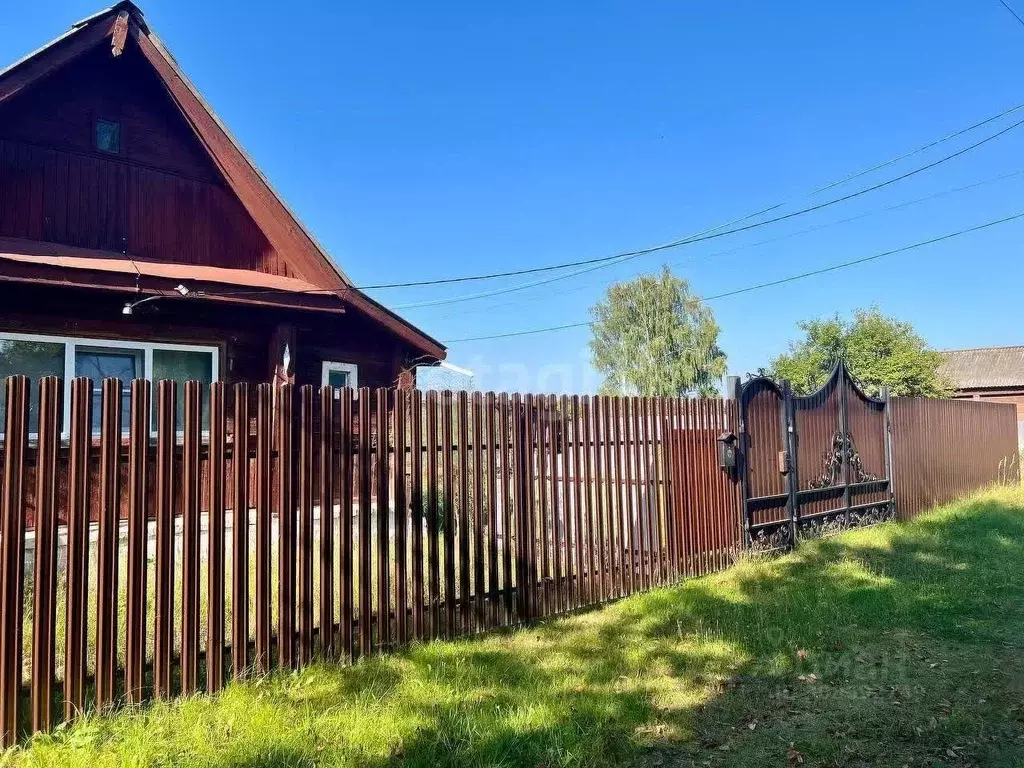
point(879, 351)
point(652, 336)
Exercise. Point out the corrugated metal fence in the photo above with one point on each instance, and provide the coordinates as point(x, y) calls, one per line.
point(146, 555)
point(945, 449)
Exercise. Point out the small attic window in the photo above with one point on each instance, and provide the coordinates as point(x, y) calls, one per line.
point(108, 136)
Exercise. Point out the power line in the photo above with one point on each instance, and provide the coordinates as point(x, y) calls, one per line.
point(720, 230)
point(1007, 6)
point(627, 255)
point(769, 284)
point(557, 278)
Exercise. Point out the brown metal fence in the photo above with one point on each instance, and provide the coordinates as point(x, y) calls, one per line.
point(155, 557)
point(944, 449)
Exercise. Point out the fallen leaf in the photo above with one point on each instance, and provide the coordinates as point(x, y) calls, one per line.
point(794, 758)
point(801, 654)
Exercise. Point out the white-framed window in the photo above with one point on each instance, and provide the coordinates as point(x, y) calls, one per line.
point(336, 374)
point(36, 355)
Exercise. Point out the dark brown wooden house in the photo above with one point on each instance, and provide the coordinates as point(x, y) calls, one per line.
point(137, 238)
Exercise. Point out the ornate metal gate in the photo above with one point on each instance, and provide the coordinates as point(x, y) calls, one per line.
point(810, 465)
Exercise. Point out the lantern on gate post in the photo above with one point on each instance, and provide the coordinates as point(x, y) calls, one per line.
point(727, 452)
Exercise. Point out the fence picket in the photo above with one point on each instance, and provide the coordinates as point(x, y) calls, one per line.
point(383, 534)
point(365, 577)
point(286, 519)
point(215, 540)
point(166, 432)
point(531, 506)
point(76, 613)
point(264, 522)
point(190, 491)
point(140, 414)
point(448, 515)
point(325, 468)
point(416, 503)
point(307, 483)
point(240, 532)
point(465, 514)
point(12, 554)
point(401, 518)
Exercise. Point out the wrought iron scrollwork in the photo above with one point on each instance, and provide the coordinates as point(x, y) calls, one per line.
point(842, 520)
point(832, 460)
point(770, 538)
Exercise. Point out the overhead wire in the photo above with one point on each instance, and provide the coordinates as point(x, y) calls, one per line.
point(768, 284)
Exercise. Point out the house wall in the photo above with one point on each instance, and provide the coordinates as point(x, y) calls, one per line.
point(242, 333)
point(160, 199)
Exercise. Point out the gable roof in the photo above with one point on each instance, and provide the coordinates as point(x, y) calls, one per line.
point(279, 224)
point(985, 367)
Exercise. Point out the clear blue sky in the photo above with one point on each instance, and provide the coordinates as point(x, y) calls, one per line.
point(426, 139)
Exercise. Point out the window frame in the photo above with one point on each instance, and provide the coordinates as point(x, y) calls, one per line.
point(95, 136)
point(327, 367)
point(146, 347)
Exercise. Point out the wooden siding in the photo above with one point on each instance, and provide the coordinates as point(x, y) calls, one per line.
point(161, 199)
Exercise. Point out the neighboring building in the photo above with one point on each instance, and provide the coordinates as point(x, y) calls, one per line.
point(138, 239)
point(444, 376)
point(989, 373)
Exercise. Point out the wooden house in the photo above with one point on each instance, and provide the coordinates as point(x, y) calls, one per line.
point(137, 238)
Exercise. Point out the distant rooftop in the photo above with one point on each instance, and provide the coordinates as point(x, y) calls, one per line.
point(984, 367)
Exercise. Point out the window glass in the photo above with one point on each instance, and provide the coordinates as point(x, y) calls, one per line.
point(337, 379)
point(34, 359)
point(108, 136)
point(99, 363)
point(182, 366)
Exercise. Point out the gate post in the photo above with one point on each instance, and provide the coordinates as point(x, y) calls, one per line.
point(845, 440)
point(734, 391)
point(887, 446)
point(789, 437)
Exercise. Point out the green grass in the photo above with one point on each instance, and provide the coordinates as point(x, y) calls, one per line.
point(897, 645)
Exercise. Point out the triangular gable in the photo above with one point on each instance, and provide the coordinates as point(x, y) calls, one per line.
point(122, 24)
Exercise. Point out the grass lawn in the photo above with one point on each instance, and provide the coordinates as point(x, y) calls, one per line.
point(898, 645)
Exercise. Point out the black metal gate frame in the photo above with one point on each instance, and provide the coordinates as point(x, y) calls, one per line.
point(850, 478)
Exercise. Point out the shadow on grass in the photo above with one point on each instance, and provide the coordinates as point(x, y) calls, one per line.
point(854, 647)
point(883, 646)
